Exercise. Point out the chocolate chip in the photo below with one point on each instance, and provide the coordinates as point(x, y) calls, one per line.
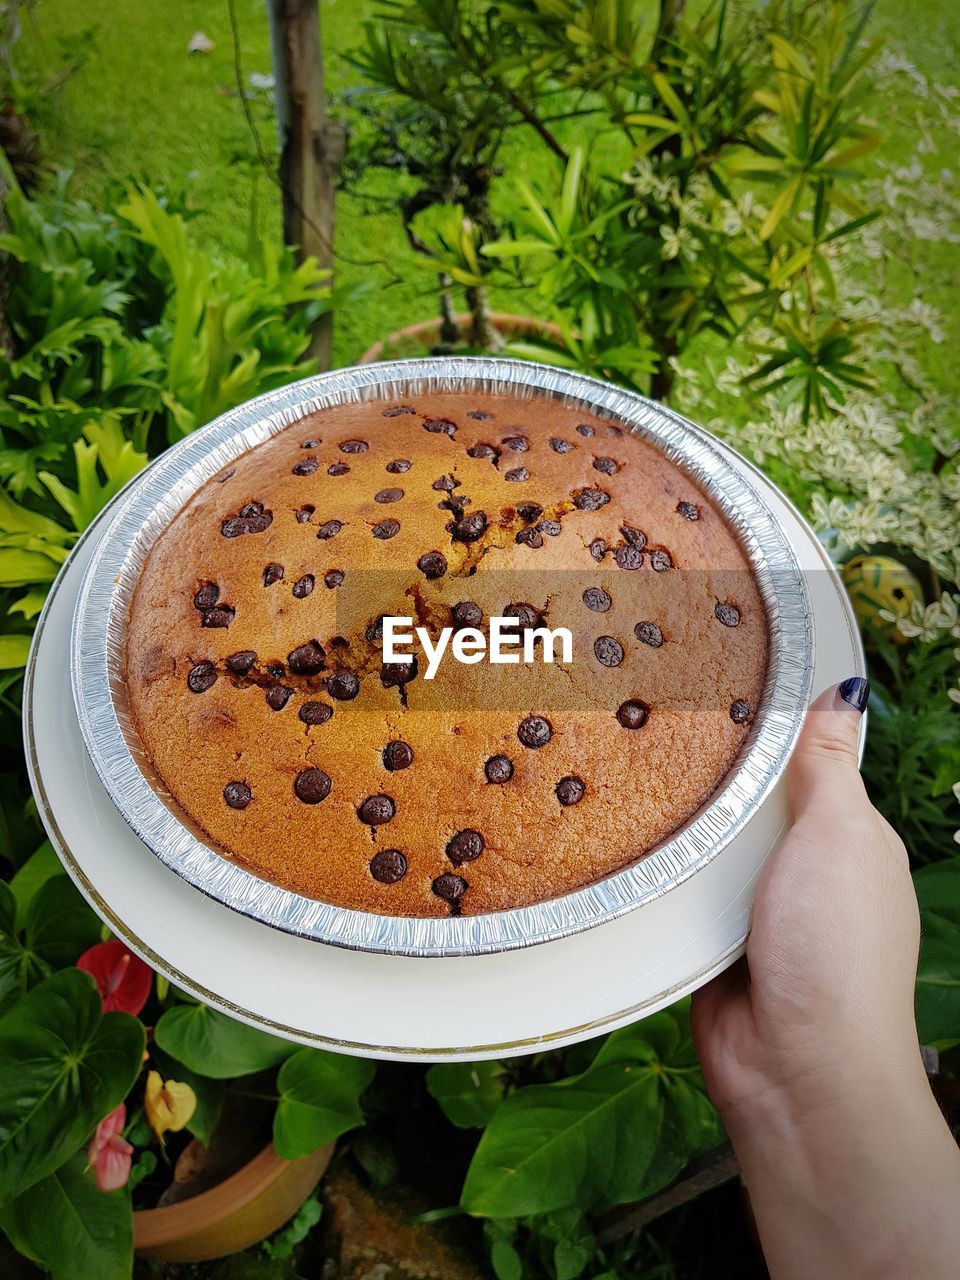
point(445, 484)
point(388, 495)
point(315, 712)
point(519, 444)
point(304, 513)
point(739, 711)
point(272, 573)
point(498, 769)
point(376, 810)
point(561, 446)
point(526, 615)
point(598, 549)
point(596, 599)
point(332, 578)
point(517, 475)
point(310, 444)
point(221, 617)
point(466, 614)
point(608, 651)
point(388, 866)
point(398, 466)
point(450, 887)
point(470, 527)
point(607, 465)
point(728, 614)
point(337, 469)
point(628, 557)
point(454, 504)
point(432, 564)
point(278, 695)
point(570, 790)
point(306, 468)
point(550, 527)
point(649, 633)
point(397, 410)
point(465, 846)
point(343, 685)
point(394, 674)
point(237, 795)
point(440, 426)
point(201, 677)
point(529, 538)
point(303, 586)
point(397, 755)
point(307, 659)
point(275, 670)
point(226, 475)
point(635, 537)
point(590, 499)
point(529, 511)
point(312, 785)
point(240, 663)
point(535, 731)
point(251, 519)
point(374, 631)
point(386, 529)
point(484, 451)
point(660, 561)
point(584, 429)
point(329, 529)
point(689, 510)
point(479, 414)
point(207, 596)
point(633, 714)
point(354, 446)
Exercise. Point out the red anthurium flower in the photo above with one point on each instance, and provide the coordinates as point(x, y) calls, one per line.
point(109, 1154)
point(123, 979)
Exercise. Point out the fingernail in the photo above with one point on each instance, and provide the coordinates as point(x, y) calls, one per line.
point(854, 691)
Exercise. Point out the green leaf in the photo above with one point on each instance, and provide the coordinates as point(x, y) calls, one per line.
point(40, 867)
point(216, 1046)
point(63, 1067)
point(516, 248)
point(59, 925)
point(20, 969)
point(468, 1092)
point(938, 976)
point(76, 1231)
point(13, 652)
point(619, 1131)
point(319, 1099)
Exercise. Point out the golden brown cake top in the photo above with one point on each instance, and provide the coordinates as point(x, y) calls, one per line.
point(257, 683)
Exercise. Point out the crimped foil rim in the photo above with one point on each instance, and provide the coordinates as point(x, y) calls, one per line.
point(99, 625)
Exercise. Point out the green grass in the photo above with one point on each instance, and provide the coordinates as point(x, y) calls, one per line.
point(137, 105)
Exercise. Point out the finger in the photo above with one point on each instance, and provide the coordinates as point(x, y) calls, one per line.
point(824, 774)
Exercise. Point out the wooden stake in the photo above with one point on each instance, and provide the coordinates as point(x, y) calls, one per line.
point(311, 145)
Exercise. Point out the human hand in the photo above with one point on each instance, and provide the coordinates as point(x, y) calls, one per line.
point(828, 979)
point(809, 1046)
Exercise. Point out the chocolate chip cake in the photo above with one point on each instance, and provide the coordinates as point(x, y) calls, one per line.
point(256, 674)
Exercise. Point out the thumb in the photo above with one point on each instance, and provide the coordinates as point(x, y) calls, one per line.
point(824, 773)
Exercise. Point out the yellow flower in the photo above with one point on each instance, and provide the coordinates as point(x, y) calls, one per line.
point(168, 1104)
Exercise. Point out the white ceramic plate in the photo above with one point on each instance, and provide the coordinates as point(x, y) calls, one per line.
point(388, 1006)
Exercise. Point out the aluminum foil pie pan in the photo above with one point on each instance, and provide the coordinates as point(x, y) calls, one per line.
point(155, 497)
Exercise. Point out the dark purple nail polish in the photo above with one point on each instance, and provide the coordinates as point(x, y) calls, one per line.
point(855, 691)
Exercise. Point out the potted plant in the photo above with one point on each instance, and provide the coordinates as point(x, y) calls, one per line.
point(154, 1121)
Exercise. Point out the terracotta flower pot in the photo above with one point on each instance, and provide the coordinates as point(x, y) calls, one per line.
point(425, 334)
point(237, 1213)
